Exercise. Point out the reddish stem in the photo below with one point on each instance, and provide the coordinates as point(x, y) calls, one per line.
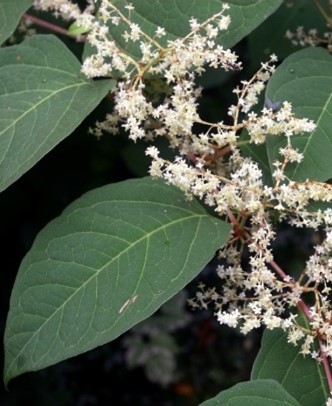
point(305, 309)
point(326, 363)
point(53, 27)
point(279, 271)
point(325, 360)
point(232, 218)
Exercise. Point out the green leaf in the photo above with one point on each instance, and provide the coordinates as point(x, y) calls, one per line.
point(301, 376)
point(11, 12)
point(43, 98)
point(289, 16)
point(305, 79)
point(174, 16)
point(109, 261)
point(254, 393)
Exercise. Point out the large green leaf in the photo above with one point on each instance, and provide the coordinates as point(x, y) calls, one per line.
point(11, 12)
point(109, 261)
point(305, 79)
point(174, 16)
point(270, 36)
point(301, 376)
point(43, 98)
point(265, 392)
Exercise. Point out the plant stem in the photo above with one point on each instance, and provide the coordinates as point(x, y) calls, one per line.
point(304, 308)
point(277, 268)
point(326, 363)
point(323, 13)
point(327, 367)
point(52, 27)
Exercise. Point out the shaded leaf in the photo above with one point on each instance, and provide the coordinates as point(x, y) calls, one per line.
point(109, 261)
point(11, 12)
point(301, 376)
point(254, 393)
point(43, 98)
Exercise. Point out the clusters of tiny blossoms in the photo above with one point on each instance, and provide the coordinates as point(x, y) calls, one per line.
point(63, 8)
point(311, 37)
point(171, 59)
point(211, 167)
point(302, 38)
point(282, 121)
point(262, 293)
point(177, 61)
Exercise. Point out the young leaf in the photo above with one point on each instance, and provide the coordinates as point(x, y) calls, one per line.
point(11, 12)
point(76, 29)
point(301, 376)
point(43, 98)
point(256, 393)
point(109, 261)
point(305, 80)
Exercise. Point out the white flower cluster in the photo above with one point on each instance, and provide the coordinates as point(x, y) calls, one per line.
point(173, 60)
point(275, 123)
point(62, 8)
point(311, 38)
point(249, 92)
point(211, 167)
point(302, 38)
point(177, 61)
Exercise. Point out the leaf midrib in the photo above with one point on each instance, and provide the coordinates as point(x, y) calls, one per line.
point(148, 235)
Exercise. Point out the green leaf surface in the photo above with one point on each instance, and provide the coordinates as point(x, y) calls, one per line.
point(301, 376)
point(174, 16)
point(11, 12)
point(265, 392)
point(289, 16)
point(43, 98)
point(109, 261)
point(305, 79)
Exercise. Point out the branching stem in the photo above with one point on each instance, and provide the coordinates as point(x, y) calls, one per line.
point(53, 27)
